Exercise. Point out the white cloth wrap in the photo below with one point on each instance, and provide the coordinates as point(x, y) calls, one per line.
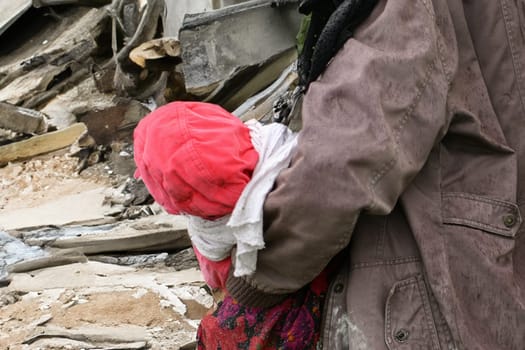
point(244, 227)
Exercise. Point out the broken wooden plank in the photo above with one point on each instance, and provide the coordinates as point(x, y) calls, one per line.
point(50, 67)
point(216, 43)
point(41, 144)
point(157, 54)
point(24, 120)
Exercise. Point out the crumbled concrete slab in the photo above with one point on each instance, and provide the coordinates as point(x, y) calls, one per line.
point(134, 236)
point(80, 207)
point(22, 120)
point(102, 306)
point(215, 44)
point(99, 275)
point(175, 11)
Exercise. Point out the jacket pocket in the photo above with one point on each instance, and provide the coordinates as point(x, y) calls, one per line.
point(409, 323)
point(487, 214)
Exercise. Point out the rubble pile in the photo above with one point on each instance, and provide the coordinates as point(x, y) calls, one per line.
point(87, 259)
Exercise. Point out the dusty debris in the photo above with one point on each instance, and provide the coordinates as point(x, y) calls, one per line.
point(145, 235)
point(35, 182)
point(63, 210)
point(47, 261)
point(130, 81)
point(217, 44)
point(22, 120)
point(34, 146)
point(123, 337)
point(158, 54)
point(231, 98)
point(260, 105)
point(57, 66)
point(86, 259)
point(103, 306)
point(113, 123)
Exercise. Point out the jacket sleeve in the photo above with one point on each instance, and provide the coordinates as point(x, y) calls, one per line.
point(369, 124)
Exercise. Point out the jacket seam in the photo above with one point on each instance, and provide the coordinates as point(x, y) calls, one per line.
point(429, 9)
point(441, 55)
point(494, 229)
point(398, 261)
point(512, 48)
point(420, 284)
point(380, 244)
point(448, 75)
point(386, 167)
point(479, 199)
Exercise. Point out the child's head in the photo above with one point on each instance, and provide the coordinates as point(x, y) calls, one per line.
point(195, 158)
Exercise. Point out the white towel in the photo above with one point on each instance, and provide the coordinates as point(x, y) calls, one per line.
point(244, 227)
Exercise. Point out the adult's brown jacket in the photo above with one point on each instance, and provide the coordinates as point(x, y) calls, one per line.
point(412, 153)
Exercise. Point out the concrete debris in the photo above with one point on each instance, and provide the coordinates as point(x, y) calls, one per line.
point(108, 337)
point(47, 261)
point(87, 259)
point(102, 306)
point(259, 106)
point(265, 75)
point(55, 67)
point(167, 234)
point(64, 210)
point(22, 120)
point(215, 44)
point(175, 11)
point(58, 116)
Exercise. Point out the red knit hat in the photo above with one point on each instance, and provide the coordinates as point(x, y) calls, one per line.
point(195, 158)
